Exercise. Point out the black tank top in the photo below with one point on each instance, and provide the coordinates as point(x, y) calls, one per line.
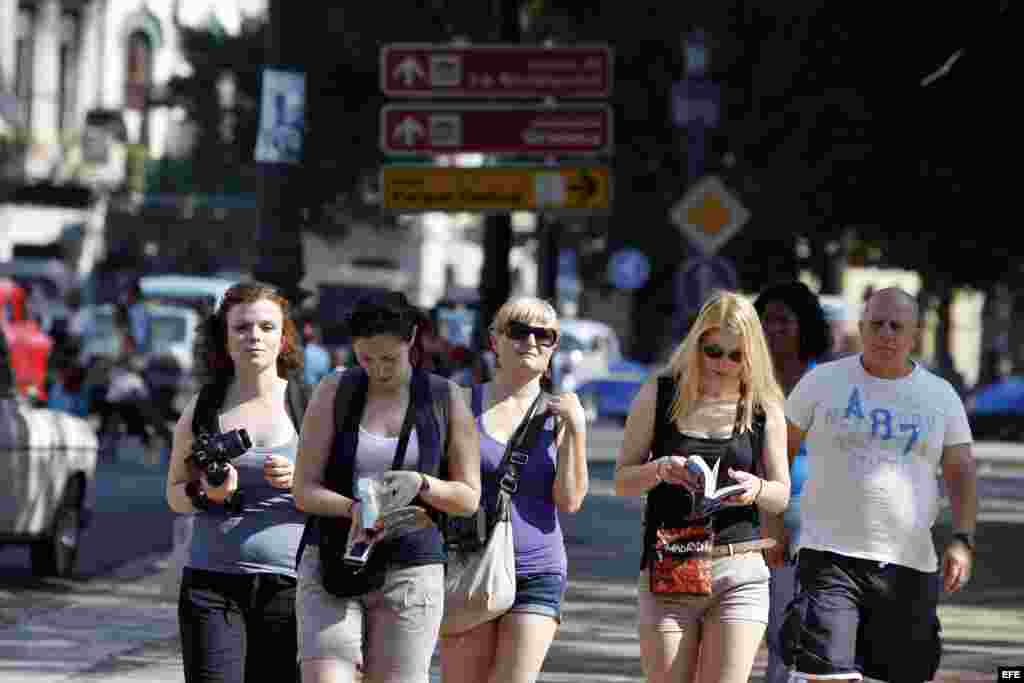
point(669, 505)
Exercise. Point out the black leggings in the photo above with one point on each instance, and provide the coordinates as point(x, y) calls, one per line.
point(238, 628)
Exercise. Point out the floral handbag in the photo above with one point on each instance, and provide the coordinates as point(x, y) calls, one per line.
point(681, 559)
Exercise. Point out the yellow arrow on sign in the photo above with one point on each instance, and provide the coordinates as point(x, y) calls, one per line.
point(559, 189)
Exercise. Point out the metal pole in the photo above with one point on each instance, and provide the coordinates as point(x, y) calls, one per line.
point(495, 278)
point(279, 232)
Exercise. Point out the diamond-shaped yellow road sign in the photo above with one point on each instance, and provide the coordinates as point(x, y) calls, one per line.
point(709, 215)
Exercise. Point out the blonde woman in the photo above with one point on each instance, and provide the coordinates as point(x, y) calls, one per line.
point(718, 399)
point(554, 479)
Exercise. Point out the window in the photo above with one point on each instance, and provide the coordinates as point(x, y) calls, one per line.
point(24, 46)
point(68, 56)
point(139, 70)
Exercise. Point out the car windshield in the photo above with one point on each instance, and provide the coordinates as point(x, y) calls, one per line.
point(166, 330)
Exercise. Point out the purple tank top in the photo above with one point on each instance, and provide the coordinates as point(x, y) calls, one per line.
point(536, 531)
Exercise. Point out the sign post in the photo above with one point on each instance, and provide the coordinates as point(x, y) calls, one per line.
point(708, 215)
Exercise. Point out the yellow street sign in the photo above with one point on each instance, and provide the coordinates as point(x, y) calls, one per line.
point(583, 189)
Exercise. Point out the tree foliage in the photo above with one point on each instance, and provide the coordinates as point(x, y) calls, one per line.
point(224, 139)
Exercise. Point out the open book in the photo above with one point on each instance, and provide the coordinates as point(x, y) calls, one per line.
point(707, 497)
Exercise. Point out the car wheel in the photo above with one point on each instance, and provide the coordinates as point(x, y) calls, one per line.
point(55, 554)
point(590, 407)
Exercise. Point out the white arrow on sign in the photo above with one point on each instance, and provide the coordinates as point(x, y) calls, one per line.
point(408, 131)
point(409, 70)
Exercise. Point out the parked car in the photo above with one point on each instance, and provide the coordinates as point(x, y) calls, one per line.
point(589, 361)
point(586, 349)
point(167, 367)
point(29, 346)
point(48, 465)
point(609, 396)
point(996, 411)
point(199, 292)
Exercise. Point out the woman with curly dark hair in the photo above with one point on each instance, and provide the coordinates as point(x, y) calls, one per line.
point(237, 603)
point(798, 337)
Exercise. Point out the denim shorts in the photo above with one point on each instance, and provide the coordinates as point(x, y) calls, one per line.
point(540, 594)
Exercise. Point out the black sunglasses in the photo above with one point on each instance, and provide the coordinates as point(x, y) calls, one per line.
point(518, 331)
point(714, 351)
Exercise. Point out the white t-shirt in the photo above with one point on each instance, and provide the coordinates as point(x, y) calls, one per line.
point(874, 447)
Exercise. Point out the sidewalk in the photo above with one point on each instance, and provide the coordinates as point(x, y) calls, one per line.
point(123, 628)
point(127, 631)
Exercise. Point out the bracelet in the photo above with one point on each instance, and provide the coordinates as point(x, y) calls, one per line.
point(759, 489)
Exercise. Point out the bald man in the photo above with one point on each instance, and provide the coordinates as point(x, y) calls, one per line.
point(878, 427)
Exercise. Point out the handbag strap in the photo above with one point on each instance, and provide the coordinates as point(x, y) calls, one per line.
point(518, 447)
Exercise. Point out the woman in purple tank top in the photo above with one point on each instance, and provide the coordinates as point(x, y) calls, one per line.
point(512, 648)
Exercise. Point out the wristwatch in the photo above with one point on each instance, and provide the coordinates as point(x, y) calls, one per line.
point(965, 537)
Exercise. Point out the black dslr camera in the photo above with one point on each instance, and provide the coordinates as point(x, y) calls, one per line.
point(212, 452)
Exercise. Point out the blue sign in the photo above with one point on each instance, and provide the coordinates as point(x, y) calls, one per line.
point(696, 279)
point(629, 268)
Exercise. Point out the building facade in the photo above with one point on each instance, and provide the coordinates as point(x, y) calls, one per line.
point(71, 65)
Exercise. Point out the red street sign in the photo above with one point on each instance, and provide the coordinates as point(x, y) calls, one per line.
point(495, 129)
point(425, 70)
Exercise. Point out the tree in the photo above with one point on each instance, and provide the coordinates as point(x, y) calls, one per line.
point(225, 136)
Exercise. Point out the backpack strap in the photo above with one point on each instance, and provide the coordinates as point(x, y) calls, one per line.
point(296, 398)
point(210, 399)
point(212, 395)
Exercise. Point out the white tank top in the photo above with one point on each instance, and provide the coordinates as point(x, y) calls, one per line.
point(376, 453)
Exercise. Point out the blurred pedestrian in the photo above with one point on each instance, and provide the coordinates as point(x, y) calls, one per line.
point(138, 318)
point(718, 399)
point(798, 337)
point(237, 603)
point(316, 359)
point(878, 426)
point(389, 632)
point(554, 479)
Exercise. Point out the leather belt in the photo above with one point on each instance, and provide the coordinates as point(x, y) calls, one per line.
point(727, 549)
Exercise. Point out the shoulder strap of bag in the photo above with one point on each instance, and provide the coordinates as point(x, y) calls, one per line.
point(517, 450)
point(403, 434)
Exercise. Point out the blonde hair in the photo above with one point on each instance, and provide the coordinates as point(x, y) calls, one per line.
point(734, 313)
point(525, 309)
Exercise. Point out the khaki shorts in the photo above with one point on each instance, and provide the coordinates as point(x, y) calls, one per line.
point(394, 629)
point(739, 592)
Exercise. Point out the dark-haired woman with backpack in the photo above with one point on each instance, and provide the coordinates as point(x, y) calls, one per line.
point(388, 632)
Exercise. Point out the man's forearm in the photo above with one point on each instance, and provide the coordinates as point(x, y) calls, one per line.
point(963, 496)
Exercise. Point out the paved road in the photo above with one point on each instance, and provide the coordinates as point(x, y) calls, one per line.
point(121, 627)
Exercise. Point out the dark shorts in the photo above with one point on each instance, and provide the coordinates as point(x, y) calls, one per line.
point(540, 594)
point(855, 616)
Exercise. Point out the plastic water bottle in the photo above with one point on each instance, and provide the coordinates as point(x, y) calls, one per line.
point(369, 510)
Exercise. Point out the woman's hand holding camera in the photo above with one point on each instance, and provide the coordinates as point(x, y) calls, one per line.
point(220, 494)
point(278, 471)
